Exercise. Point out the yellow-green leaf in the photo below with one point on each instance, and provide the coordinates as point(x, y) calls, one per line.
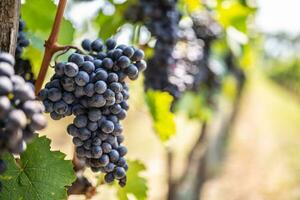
point(159, 104)
point(136, 184)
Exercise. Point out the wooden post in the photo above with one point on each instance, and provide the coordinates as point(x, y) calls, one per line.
point(9, 24)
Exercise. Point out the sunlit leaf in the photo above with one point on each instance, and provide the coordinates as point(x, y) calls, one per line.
point(39, 17)
point(159, 104)
point(193, 5)
point(232, 13)
point(35, 56)
point(136, 184)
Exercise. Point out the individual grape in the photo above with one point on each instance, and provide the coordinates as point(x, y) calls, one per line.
point(110, 44)
point(117, 53)
point(5, 105)
point(88, 67)
point(89, 89)
point(131, 71)
point(112, 77)
point(68, 97)
point(109, 94)
point(54, 94)
point(104, 160)
point(107, 126)
point(123, 62)
point(97, 45)
point(122, 150)
point(121, 162)
point(100, 75)
point(96, 151)
point(16, 119)
point(114, 155)
point(128, 51)
point(119, 173)
point(86, 44)
point(6, 85)
point(106, 147)
point(48, 106)
point(100, 87)
point(97, 101)
point(141, 65)
point(116, 87)
point(138, 55)
point(94, 115)
point(59, 68)
point(115, 109)
point(60, 107)
point(71, 69)
point(122, 115)
point(76, 58)
point(107, 63)
point(68, 84)
point(109, 178)
point(84, 133)
point(6, 69)
point(38, 122)
point(92, 126)
point(82, 78)
point(77, 142)
point(73, 130)
point(80, 121)
point(109, 167)
point(124, 105)
point(120, 139)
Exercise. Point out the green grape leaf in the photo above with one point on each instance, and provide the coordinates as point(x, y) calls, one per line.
point(35, 56)
point(40, 174)
point(136, 185)
point(39, 22)
point(232, 13)
point(193, 5)
point(159, 104)
point(110, 25)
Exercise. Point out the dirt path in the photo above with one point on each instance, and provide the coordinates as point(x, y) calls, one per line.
point(263, 159)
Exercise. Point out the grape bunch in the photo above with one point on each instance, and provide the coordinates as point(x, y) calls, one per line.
point(23, 66)
point(22, 41)
point(193, 67)
point(161, 17)
point(91, 86)
point(20, 114)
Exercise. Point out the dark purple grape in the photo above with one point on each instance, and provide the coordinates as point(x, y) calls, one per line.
point(82, 78)
point(71, 69)
point(86, 44)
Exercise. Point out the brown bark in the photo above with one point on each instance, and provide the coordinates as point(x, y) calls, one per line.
point(9, 24)
point(190, 184)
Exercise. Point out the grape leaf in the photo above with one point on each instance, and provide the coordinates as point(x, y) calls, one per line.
point(159, 104)
point(40, 22)
point(40, 174)
point(136, 185)
point(110, 25)
point(35, 56)
point(234, 14)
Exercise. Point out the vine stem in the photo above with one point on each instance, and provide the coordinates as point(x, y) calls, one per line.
point(51, 45)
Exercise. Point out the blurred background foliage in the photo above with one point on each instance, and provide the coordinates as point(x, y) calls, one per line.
point(261, 156)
